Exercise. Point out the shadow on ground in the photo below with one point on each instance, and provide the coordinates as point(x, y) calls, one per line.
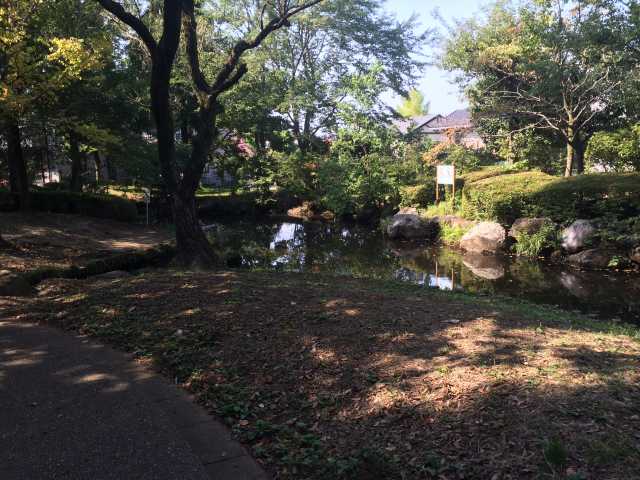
point(335, 378)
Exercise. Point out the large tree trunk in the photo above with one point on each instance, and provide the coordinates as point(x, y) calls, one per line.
point(18, 178)
point(570, 136)
point(568, 169)
point(76, 162)
point(578, 155)
point(193, 248)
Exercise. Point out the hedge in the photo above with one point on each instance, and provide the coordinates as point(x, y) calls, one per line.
point(101, 206)
point(534, 194)
point(421, 195)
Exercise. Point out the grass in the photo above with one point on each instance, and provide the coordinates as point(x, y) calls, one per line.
point(452, 234)
point(440, 210)
point(371, 379)
point(533, 245)
point(535, 194)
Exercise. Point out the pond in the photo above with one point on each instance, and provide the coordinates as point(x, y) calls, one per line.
point(364, 252)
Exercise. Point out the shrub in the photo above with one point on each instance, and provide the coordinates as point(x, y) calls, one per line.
point(535, 194)
point(535, 244)
point(452, 234)
point(487, 172)
point(421, 195)
point(617, 151)
point(101, 206)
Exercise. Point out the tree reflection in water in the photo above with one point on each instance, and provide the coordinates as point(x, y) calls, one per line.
point(362, 251)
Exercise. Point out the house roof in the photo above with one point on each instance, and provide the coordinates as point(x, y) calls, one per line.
point(407, 125)
point(456, 119)
point(433, 123)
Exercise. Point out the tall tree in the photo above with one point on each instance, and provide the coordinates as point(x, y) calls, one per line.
point(413, 105)
point(192, 244)
point(549, 65)
point(314, 57)
point(36, 63)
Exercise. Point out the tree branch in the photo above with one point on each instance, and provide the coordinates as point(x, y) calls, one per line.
point(191, 35)
point(134, 22)
point(224, 76)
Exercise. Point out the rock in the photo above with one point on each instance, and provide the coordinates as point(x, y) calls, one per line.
point(408, 211)
point(484, 266)
point(113, 275)
point(485, 237)
point(307, 211)
point(577, 235)
point(529, 226)
point(453, 221)
point(304, 211)
point(12, 285)
point(593, 258)
point(635, 255)
point(412, 227)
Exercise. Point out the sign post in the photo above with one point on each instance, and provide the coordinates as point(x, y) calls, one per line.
point(147, 201)
point(445, 175)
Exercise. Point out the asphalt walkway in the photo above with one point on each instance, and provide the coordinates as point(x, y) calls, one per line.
point(73, 409)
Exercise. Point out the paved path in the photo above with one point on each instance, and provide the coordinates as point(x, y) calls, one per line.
point(73, 409)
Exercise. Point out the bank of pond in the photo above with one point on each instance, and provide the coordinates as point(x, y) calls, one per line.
point(365, 251)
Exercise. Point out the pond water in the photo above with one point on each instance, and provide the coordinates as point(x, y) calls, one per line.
point(364, 252)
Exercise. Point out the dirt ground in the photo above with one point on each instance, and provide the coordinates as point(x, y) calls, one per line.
point(329, 378)
point(58, 240)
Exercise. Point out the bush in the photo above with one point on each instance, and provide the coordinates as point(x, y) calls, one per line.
point(452, 234)
point(101, 206)
point(534, 194)
point(421, 195)
point(534, 245)
point(617, 151)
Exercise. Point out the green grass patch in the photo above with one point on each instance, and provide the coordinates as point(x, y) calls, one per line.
point(535, 194)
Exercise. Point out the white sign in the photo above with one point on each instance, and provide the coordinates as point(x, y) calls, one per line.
point(445, 174)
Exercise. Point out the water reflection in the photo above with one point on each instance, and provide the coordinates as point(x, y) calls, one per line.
point(363, 252)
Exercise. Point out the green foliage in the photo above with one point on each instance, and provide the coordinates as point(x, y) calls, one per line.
point(452, 234)
point(363, 172)
point(413, 105)
point(464, 159)
point(101, 206)
point(617, 151)
point(535, 66)
point(421, 195)
point(487, 172)
point(535, 194)
point(533, 245)
point(447, 207)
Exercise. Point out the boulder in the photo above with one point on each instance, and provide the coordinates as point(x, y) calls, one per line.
point(528, 226)
point(12, 285)
point(485, 237)
point(307, 211)
point(484, 266)
point(412, 227)
point(593, 258)
point(577, 236)
point(635, 254)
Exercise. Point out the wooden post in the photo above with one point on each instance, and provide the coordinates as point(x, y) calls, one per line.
point(453, 187)
point(437, 191)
